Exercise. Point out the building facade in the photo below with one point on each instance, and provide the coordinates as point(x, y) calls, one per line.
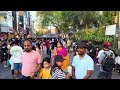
point(15, 21)
point(6, 23)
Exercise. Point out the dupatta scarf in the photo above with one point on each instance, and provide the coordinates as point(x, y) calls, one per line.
point(63, 52)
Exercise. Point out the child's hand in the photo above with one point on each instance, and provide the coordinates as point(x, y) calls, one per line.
point(68, 76)
point(36, 77)
point(32, 76)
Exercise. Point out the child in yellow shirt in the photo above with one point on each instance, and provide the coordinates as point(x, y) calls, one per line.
point(45, 71)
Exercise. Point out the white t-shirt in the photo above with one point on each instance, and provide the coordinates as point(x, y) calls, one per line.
point(16, 52)
point(117, 59)
point(99, 53)
point(64, 44)
point(81, 66)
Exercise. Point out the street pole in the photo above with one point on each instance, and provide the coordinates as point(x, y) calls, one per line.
point(119, 30)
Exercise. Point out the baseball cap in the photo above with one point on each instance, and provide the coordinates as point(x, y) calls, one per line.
point(107, 44)
point(59, 58)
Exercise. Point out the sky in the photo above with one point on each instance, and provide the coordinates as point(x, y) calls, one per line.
point(33, 16)
point(33, 13)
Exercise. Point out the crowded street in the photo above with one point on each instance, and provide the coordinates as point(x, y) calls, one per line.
point(54, 45)
point(5, 73)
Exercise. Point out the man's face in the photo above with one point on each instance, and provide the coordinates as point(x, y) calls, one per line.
point(27, 46)
point(81, 51)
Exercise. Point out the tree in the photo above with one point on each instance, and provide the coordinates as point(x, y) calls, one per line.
point(51, 18)
point(89, 18)
point(108, 17)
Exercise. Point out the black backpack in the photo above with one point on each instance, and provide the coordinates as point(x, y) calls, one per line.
point(108, 63)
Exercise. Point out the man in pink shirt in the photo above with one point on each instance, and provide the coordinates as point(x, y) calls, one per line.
point(31, 61)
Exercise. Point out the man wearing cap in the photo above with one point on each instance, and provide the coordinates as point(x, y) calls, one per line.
point(101, 51)
point(82, 65)
point(106, 51)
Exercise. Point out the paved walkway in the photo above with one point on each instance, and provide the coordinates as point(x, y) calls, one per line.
point(5, 73)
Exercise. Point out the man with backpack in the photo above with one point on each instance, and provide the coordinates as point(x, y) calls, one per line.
point(107, 63)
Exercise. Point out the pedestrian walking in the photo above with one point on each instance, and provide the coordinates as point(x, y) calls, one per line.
point(107, 62)
point(64, 43)
point(4, 51)
point(82, 65)
point(56, 70)
point(43, 50)
point(31, 61)
point(38, 47)
point(10, 61)
point(96, 59)
point(68, 44)
point(60, 50)
point(16, 52)
point(52, 48)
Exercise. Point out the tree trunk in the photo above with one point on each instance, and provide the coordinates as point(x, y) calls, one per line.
point(86, 26)
point(57, 29)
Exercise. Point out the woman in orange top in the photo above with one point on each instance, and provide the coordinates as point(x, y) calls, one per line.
point(60, 50)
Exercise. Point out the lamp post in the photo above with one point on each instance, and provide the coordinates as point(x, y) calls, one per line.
point(119, 30)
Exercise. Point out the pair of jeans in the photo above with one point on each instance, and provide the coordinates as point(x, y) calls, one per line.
point(18, 66)
point(104, 75)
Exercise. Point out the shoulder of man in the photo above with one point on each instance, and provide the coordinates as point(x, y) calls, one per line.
point(36, 52)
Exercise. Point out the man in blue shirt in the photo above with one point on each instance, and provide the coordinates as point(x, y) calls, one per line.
point(82, 65)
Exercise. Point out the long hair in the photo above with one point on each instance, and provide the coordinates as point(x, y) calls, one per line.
point(37, 44)
point(60, 43)
point(53, 67)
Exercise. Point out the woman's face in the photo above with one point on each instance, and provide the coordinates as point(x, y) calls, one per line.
point(97, 49)
point(60, 64)
point(59, 45)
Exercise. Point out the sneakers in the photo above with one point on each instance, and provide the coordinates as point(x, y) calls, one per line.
point(5, 66)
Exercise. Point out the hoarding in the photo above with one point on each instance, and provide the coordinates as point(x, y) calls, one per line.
point(110, 30)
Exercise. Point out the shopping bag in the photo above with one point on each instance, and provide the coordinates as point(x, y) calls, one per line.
point(8, 63)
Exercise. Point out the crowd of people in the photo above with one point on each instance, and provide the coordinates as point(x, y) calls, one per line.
point(50, 59)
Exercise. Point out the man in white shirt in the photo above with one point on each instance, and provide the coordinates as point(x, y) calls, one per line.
point(16, 52)
point(82, 64)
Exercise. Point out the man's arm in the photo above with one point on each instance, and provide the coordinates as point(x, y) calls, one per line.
point(39, 61)
point(73, 72)
point(36, 71)
point(90, 69)
point(89, 72)
point(38, 68)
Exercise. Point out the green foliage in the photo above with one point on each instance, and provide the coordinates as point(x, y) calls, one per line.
point(97, 37)
point(53, 18)
point(78, 20)
point(74, 38)
point(63, 20)
point(89, 18)
point(109, 17)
